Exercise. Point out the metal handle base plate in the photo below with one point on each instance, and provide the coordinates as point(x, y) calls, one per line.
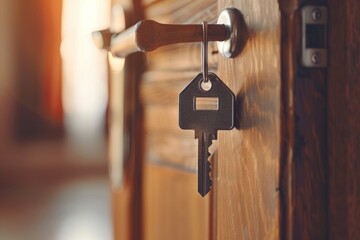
point(237, 30)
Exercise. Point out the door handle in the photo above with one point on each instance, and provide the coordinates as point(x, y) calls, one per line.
point(148, 35)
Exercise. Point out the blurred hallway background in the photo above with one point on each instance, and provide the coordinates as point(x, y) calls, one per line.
point(53, 102)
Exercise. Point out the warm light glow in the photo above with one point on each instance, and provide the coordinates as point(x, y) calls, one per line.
point(85, 90)
point(116, 63)
point(81, 212)
point(117, 131)
point(81, 227)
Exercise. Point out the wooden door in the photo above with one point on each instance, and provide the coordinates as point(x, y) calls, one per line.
point(288, 171)
point(274, 175)
point(271, 170)
point(244, 202)
point(247, 172)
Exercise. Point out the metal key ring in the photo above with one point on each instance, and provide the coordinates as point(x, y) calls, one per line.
point(204, 52)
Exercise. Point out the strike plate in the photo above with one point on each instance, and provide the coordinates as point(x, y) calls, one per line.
point(314, 36)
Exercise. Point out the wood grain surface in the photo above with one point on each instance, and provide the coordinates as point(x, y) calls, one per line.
point(303, 128)
point(289, 170)
point(188, 11)
point(127, 199)
point(173, 208)
point(344, 119)
point(247, 175)
point(169, 70)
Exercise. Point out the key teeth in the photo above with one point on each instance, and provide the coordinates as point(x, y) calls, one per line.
point(208, 182)
point(209, 167)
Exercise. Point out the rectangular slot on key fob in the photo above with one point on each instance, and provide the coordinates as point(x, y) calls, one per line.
point(207, 103)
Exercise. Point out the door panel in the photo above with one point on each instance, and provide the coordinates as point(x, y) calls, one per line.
point(303, 127)
point(343, 123)
point(172, 208)
point(247, 176)
point(290, 164)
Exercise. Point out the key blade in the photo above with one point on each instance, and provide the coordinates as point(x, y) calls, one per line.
point(204, 166)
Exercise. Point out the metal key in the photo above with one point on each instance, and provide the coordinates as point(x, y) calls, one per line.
point(206, 112)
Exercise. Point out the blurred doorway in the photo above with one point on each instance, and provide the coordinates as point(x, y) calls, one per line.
point(53, 179)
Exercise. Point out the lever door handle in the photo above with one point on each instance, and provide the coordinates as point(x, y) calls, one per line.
point(148, 35)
